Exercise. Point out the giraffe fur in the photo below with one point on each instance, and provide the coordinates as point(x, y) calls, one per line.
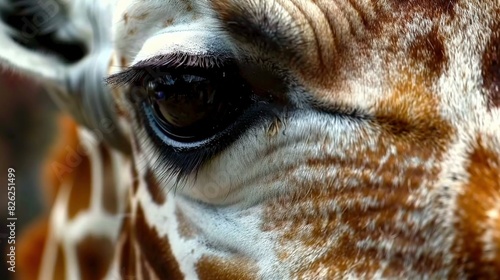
point(385, 163)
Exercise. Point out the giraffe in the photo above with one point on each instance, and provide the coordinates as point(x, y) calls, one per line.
point(327, 139)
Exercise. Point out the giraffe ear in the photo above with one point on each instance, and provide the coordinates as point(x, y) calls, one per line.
point(36, 39)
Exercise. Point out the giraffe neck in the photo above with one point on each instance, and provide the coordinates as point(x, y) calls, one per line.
point(88, 193)
point(170, 236)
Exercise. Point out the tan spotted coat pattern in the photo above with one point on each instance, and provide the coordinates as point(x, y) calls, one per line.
point(407, 188)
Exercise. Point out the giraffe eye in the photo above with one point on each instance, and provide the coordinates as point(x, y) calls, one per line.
point(192, 113)
point(194, 104)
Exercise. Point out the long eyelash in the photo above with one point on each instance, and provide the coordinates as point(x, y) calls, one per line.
point(174, 167)
point(166, 171)
point(161, 65)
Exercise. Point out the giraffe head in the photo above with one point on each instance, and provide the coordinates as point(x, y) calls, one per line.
point(308, 139)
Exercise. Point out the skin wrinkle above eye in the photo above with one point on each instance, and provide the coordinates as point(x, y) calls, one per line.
point(195, 43)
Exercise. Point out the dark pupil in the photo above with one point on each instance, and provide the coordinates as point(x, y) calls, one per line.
point(195, 104)
point(187, 101)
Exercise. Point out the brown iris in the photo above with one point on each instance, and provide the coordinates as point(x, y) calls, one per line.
point(194, 104)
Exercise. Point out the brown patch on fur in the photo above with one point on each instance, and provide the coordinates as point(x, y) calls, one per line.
point(209, 267)
point(55, 167)
point(128, 257)
point(81, 188)
point(432, 8)
point(68, 165)
point(94, 257)
point(109, 197)
point(478, 211)
point(185, 228)
point(60, 264)
point(154, 188)
point(491, 68)
point(428, 52)
point(30, 247)
point(125, 18)
point(145, 270)
point(156, 249)
point(406, 113)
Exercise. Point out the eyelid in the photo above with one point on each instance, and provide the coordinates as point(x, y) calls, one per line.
point(157, 66)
